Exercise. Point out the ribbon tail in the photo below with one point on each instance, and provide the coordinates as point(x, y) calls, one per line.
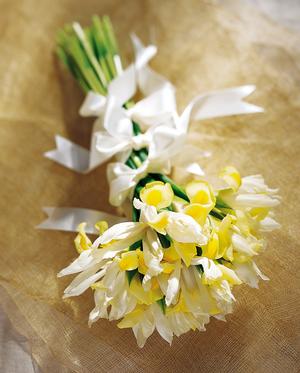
point(70, 155)
point(68, 219)
point(219, 104)
point(225, 102)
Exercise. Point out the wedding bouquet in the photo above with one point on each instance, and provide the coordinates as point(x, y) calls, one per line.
point(173, 261)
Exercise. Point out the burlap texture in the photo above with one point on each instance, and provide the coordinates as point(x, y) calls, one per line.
point(203, 45)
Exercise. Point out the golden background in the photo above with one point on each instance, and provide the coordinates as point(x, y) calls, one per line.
point(203, 45)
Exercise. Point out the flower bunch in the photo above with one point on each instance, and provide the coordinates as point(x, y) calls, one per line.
point(174, 265)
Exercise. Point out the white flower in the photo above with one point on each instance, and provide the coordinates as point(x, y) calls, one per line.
point(180, 227)
point(183, 228)
point(252, 192)
point(249, 273)
point(256, 184)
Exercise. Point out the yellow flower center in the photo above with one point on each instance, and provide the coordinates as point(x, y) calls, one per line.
point(201, 197)
point(201, 193)
point(153, 197)
point(129, 261)
point(157, 194)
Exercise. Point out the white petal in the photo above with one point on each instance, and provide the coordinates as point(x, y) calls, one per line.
point(173, 284)
point(248, 273)
point(101, 305)
point(255, 184)
point(84, 261)
point(162, 324)
point(153, 254)
point(211, 271)
point(119, 232)
point(241, 245)
point(144, 328)
point(268, 224)
point(250, 200)
point(183, 228)
point(83, 281)
point(259, 273)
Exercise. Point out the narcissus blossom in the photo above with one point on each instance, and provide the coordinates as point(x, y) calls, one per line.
point(177, 265)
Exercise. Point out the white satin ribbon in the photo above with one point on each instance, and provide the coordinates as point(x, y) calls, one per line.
point(68, 219)
point(218, 104)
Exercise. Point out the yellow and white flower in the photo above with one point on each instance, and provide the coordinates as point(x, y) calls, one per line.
point(171, 271)
point(250, 192)
point(157, 194)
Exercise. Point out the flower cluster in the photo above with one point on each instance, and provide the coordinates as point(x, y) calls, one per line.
point(175, 266)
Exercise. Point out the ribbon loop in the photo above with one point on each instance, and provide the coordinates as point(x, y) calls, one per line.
point(140, 141)
point(93, 105)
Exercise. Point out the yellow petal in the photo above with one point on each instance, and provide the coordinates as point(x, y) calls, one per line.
point(224, 236)
point(154, 283)
point(170, 254)
point(143, 297)
point(201, 192)
point(186, 251)
point(131, 318)
point(129, 261)
point(137, 290)
point(179, 307)
point(232, 177)
point(142, 268)
point(157, 194)
point(156, 295)
point(168, 267)
point(101, 226)
point(212, 248)
point(198, 212)
point(229, 275)
point(82, 242)
point(160, 223)
point(259, 212)
point(98, 285)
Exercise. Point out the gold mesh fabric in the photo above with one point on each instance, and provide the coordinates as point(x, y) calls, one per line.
point(203, 45)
